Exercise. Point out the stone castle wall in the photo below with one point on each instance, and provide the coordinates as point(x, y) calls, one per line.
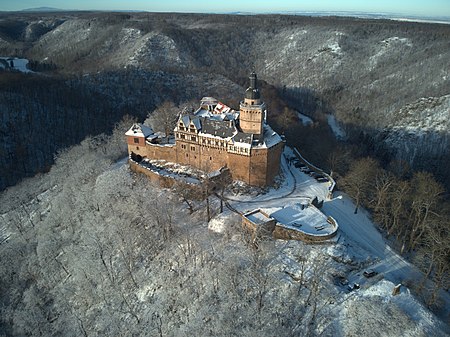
point(155, 178)
point(258, 169)
point(273, 162)
point(239, 166)
point(162, 152)
point(284, 233)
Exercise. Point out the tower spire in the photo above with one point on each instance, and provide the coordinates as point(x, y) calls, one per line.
point(252, 91)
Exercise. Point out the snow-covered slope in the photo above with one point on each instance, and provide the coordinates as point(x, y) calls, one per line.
point(420, 131)
point(94, 249)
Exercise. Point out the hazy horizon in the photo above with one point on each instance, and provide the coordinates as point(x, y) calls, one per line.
point(432, 8)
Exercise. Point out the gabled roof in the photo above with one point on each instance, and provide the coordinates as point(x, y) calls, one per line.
point(221, 108)
point(188, 119)
point(139, 130)
point(185, 119)
point(271, 138)
point(196, 122)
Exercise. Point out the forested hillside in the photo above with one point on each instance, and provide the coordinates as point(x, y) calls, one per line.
point(375, 76)
point(91, 249)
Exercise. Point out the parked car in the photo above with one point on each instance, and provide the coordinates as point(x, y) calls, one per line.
point(353, 286)
point(322, 180)
point(300, 165)
point(343, 281)
point(316, 175)
point(369, 273)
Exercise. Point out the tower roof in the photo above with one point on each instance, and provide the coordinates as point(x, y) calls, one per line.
point(252, 91)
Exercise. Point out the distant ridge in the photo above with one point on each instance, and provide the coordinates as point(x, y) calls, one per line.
point(44, 9)
point(361, 15)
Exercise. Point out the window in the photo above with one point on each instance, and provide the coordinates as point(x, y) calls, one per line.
point(182, 136)
point(192, 148)
point(183, 146)
point(193, 138)
point(136, 140)
point(137, 147)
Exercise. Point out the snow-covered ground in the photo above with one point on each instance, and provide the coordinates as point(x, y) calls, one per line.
point(338, 131)
point(305, 120)
point(16, 64)
point(358, 237)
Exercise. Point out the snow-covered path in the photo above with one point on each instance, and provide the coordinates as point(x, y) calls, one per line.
point(356, 226)
point(296, 185)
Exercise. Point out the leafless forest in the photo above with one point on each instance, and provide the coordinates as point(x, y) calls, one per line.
point(386, 82)
point(91, 249)
point(87, 248)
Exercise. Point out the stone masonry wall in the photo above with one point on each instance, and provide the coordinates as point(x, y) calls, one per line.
point(161, 152)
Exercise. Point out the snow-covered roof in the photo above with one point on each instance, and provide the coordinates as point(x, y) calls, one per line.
point(223, 116)
point(221, 108)
point(208, 101)
point(223, 129)
point(243, 139)
point(220, 122)
point(270, 137)
point(304, 218)
point(202, 113)
point(139, 130)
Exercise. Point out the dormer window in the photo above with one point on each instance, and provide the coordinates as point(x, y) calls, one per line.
point(136, 140)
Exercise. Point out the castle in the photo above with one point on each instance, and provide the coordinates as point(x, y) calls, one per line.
point(216, 136)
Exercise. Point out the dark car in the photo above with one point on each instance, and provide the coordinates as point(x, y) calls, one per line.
point(369, 273)
point(316, 175)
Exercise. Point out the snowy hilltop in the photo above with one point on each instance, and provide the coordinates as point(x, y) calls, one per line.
point(91, 248)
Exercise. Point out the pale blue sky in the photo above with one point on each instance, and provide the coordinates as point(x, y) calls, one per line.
point(411, 7)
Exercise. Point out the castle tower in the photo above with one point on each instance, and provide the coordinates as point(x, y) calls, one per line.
point(251, 116)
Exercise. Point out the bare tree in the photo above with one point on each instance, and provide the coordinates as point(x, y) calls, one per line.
point(425, 197)
point(398, 207)
point(164, 118)
point(383, 186)
point(357, 183)
point(221, 182)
